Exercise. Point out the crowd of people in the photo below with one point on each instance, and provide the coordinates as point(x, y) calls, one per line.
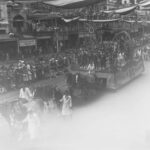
point(97, 59)
point(146, 53)
point(109, 56)
point(25, 115)
point(14, 75)
point(48, 97)
point(144, 46)
point(105, 58)
point(32, 101)
point(141, 41)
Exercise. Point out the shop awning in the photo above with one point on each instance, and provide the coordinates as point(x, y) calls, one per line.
point(70, 4)
point(130, 21)
point(6, 37)
point(133, 21)
point(43, 37)
point(100, 21)
point(145, 9)
point(145, 4)
point(5, 22)
point(145, 23)
point(70, 20)
point(122, 11)
point(125, 11)
point(139, 21)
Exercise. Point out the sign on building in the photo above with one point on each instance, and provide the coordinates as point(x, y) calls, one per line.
point(23, 43)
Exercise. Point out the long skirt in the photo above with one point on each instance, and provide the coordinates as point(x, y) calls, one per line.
point(66, 111)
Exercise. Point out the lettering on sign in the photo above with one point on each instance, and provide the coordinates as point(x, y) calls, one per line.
point(23, 43)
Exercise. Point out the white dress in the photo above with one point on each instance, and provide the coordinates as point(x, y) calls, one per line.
point(33, 125)
point(25, 94)
point(67, 104)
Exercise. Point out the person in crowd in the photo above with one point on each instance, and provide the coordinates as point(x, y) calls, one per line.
point(65, 61)
point(46, 107)
point(52, 106)
point(33, 124)
point(77, 79)
point(58, 97)
point(66, 105)
point(25, 75)
point(25, 93)
point(90, 68)
point(120, 59)
point(29, 73)
point(145, 54)
point(33, 72)
point(69, 79)
point(7, 57)
point(139, 53)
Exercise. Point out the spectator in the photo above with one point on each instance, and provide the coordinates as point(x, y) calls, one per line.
point(25, 94)
point(66, 105)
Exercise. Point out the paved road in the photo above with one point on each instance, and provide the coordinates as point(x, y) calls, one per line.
point(116, 121)
point(11, 96)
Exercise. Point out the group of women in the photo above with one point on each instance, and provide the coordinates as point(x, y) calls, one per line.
point(25, 115)
point(14, 75)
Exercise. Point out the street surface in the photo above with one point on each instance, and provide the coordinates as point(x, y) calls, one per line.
point(13, 95)
point(116, 121)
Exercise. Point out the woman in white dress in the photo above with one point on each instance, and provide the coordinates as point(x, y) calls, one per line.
point(25, 93)
point(90, 68)
point(33, 124)
point(66, 105)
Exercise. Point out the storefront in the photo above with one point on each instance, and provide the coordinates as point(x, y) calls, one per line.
point(45, 44)
point(8, 47)
point(27, 48)
point(62, 40)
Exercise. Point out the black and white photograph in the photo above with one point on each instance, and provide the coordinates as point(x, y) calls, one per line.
point(74, 74)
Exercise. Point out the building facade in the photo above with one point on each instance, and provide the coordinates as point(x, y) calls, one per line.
point(3, 17)
point(8, 45)
point(37, 26)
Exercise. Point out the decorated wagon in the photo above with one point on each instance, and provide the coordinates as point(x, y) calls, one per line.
point(110, 58)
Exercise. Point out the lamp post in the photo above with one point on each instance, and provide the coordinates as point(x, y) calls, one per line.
point(56, 36)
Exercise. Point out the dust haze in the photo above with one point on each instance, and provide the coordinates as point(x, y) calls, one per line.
point(117, 120)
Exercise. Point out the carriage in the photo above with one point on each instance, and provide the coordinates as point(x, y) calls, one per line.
point(122, 61)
